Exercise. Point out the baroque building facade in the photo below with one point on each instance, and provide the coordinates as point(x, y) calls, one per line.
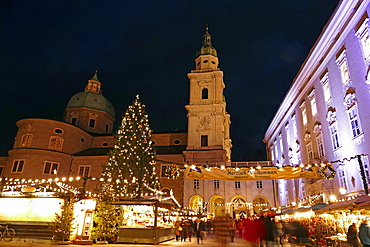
point(78, 146)
point(324, 117)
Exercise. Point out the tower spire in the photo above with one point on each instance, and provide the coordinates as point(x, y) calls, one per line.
point(207, 48)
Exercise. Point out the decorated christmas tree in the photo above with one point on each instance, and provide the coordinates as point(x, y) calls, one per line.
point(130, 171)
point(62, 223)
point(106, 221)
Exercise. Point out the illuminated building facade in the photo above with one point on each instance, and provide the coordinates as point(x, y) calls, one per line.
point(78, 146)
point(324, 117)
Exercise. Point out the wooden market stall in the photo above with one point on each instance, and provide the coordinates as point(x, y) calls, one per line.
point(146, 221)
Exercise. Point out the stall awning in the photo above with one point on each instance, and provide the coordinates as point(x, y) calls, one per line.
point(345, 205)
point(304, 209)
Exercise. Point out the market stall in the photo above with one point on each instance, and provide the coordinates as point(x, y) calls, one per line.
point(146, 221)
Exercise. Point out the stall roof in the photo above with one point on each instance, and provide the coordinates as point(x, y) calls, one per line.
point(350, 204)
point(305, 208)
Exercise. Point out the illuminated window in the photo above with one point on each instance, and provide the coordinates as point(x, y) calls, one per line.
point(51, 168)
point(259, 184)
point(205, 93)
point(304, 113)
point(342, 177)
point(216, 184)
point(56, 142)
point(26, 140)
point(320, 145)
point(354, 121)
point(309, 150)
point(237, 184)
point(363, 36)
point(325, 86)
point(18, 166)
point(343, 66)
point(334, 135)
point(204, 141)
point(365, 163)
point(84, 171)
point(312, 98)
point(196, 184)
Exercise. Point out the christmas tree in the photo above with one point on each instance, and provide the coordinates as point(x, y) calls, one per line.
point(62, 223)
point(106, 221)
point(130, 171)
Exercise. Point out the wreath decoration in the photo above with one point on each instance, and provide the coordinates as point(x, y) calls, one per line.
point(172, 172)
point(327, 171)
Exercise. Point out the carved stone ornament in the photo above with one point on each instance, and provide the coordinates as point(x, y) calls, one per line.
point(317, 129)
point(27, 128)
point(350, 99)
point(307, 137)
point(331, 116)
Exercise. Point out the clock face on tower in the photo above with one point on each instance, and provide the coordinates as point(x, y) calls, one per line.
point(204, 122)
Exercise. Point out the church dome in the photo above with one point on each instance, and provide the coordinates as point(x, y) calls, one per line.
point(92, 98)
point(93, 101)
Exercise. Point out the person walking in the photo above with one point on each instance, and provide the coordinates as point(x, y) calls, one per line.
point(199, 229)
point(364, 234)
point(352, 236)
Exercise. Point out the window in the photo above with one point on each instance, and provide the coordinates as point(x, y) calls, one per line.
point(363, 37)
point(259, 184)
point(325, 86)
point(216, 184)
point(320, 145)
point(50, 168)
point(56, 142)
point(205, 93)
point(304, 113)
point(106, 128)
point(196, 184)
point(237, 184)
point(84, 171)
point(342, 178)
point(74, 121)
point(312, 98)
point(18, 166)
point(354, 121)
point(92, 123)
point(204, 141)
point(365, 163)
point(163, 172)
point(1, 170)
point(309, 151)
point(334, 135)
point(343, 67)
point(26, 140)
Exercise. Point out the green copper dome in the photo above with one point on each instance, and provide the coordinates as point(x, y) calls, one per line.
point(207, 48)
point(92, 98)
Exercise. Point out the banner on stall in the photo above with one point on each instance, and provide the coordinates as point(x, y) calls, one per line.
point(264, 173)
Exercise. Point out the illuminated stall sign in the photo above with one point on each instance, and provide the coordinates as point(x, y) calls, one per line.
point(264, 173)
point(29, 209)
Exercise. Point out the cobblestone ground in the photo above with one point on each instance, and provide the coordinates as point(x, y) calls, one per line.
point(207, 242)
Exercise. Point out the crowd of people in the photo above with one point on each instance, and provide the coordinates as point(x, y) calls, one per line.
point(255, 230)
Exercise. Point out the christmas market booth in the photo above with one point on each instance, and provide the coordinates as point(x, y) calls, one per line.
point(147, 221)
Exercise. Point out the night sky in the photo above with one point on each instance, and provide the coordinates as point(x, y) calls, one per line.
point(49, 49)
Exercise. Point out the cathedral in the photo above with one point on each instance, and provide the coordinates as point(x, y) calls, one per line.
point(77, 147)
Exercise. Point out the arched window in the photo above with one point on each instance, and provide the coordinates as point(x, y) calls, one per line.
point(56, 142)
point(26, 140)
point(205, 93)
point(259, 204)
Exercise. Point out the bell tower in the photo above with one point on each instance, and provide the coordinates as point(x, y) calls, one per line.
point(208, 122)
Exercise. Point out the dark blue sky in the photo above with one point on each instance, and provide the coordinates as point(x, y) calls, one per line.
point(49, 49)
